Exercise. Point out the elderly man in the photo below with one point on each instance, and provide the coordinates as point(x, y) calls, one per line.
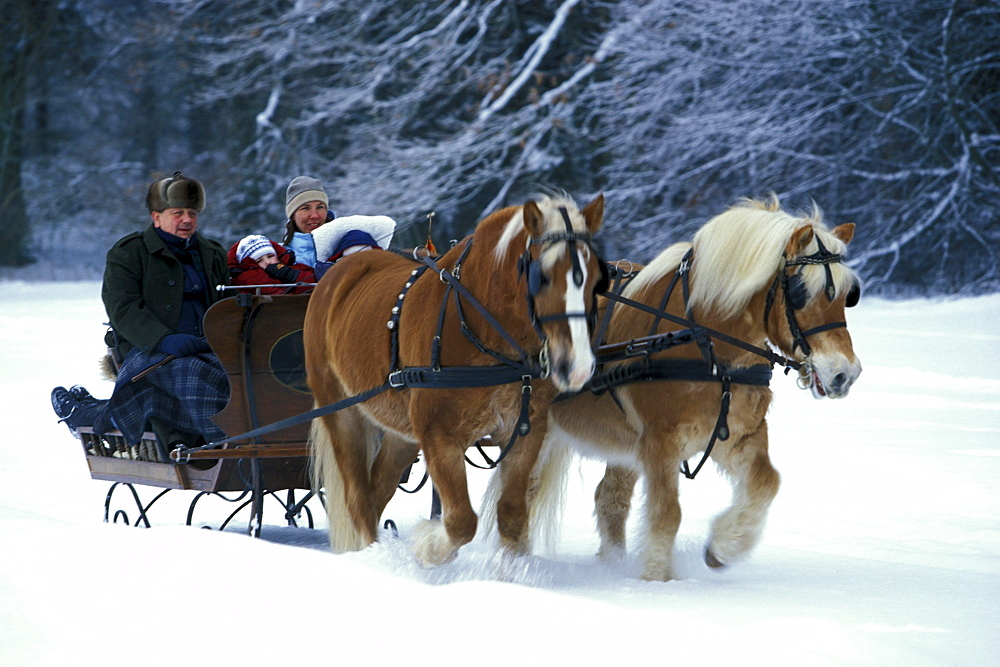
point(158, 283)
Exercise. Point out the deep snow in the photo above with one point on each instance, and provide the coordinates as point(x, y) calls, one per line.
point(882, 547)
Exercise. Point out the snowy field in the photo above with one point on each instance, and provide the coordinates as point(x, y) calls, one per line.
point(882, 547)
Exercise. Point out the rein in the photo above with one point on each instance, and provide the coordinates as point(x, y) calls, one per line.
point(182, 456)
point(772, 357)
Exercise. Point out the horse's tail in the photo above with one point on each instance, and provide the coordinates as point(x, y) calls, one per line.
point(487, 528)
point(547, 494)
point(344, 534)
point(546, 497)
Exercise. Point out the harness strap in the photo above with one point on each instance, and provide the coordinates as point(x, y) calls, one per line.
point(436, 342)
point(682, 370)
point(571, 235)
point(464, 377)
point(616, 288)
point(720, 432)
point(681, 270)
point(396, 313)
point(759, 351)
point(823, 327)
point(471, 336)
point(523, 428)
point(449, 279)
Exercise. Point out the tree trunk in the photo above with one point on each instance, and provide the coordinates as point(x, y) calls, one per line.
point(14, 18)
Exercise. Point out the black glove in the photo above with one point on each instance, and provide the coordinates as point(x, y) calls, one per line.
point(282, 273)
point(181, 344)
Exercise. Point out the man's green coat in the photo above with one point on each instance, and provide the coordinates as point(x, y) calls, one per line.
point(144, 285)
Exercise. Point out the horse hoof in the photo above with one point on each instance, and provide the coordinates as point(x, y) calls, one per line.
point(712, 561)
point(612, 554)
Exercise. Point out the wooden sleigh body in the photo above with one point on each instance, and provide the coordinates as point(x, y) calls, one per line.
point(258, 339)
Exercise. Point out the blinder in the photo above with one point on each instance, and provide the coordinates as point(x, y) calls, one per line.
point(853, 295)
point(795, 292)
point(604, 282)
point(536, 279)
point(798, 296)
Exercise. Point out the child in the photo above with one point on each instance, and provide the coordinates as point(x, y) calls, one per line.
point(256, 260)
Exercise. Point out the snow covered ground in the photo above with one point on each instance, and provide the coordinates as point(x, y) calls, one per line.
point(882, 547)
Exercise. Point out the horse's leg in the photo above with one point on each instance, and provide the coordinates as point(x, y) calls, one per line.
point(438, 542)
point(612, 502)
point(520, 486)
point(660, 458)
point(392, 458)
point(755, 484)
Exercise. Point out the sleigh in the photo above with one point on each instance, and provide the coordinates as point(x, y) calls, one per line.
point(258, 339)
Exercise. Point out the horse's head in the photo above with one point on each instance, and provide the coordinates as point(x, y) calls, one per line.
point(810, 292)
point(561, 271)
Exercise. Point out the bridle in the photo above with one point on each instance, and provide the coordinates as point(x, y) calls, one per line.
point(797, 296)
point(531, 268)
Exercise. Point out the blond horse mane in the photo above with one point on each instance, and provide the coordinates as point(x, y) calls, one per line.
point(737, 253)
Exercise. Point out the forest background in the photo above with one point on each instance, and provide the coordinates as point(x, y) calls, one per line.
point(882, 112)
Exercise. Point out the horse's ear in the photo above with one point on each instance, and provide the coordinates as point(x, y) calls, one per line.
point(593, 213)
point(801, 237)
point(844, 232)
point(533, 220)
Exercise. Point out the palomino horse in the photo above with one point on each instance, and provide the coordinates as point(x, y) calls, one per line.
point(507, 304)
point(741, 263)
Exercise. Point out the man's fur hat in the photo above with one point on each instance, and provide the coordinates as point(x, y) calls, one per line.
point(178, 191)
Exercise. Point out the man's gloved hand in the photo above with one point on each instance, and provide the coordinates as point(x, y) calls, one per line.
point(285, 274)
point(181, 344)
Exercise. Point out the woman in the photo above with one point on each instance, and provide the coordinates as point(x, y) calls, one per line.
point(307, 207)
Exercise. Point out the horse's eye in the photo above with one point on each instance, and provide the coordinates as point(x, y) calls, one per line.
point(853, 296)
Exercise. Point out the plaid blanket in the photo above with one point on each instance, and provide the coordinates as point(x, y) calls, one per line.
point(185, 392)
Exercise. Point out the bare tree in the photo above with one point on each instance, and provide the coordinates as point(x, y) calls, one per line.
point(884, 113)
point(404, 107)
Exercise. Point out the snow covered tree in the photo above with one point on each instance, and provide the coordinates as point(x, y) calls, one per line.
point(882, 113)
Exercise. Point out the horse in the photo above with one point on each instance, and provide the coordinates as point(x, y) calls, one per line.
point(508, 304)
point(754, 274)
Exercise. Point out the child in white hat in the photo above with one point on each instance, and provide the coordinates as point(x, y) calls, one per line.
point(258, 248)
point(259, 262)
